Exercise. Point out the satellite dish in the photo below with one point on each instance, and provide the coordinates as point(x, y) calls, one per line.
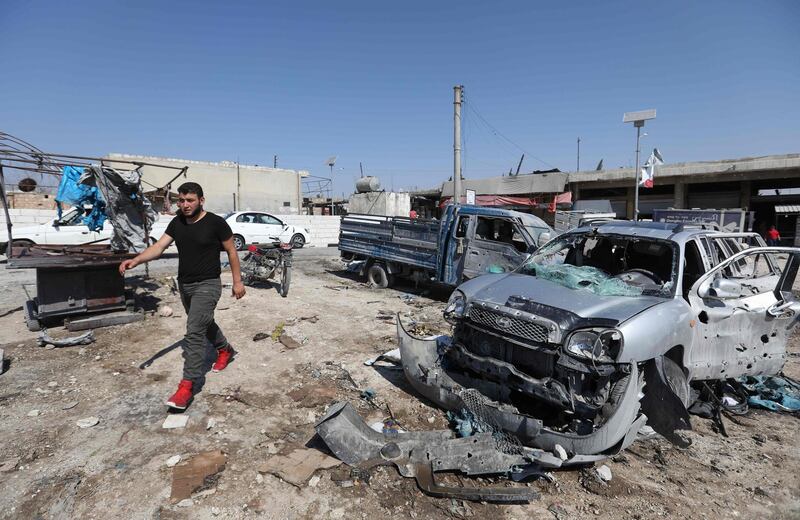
point(331, 160)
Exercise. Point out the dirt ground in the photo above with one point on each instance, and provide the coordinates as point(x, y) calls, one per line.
point(267, 401)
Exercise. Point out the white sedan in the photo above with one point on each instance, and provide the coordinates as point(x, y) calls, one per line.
point(70, 230)
point(255, 227)
point(249, 227)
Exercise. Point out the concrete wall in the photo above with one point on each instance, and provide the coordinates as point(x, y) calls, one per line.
point(25, 217)
point(30, 200)
point(324, 229)
point(275, 190)
point(380, 203)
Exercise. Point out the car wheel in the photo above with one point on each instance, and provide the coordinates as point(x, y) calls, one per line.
point(298, 241)
point(676, 379)
point(238, 242)
point(378, 276)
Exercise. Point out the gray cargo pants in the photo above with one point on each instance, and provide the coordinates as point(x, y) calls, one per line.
point(200, 299)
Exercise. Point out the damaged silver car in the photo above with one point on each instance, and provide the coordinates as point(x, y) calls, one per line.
point(600, 332)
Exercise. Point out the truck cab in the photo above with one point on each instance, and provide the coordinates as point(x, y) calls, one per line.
point(480, 240)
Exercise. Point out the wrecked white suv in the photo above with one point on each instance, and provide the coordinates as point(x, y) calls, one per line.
point(602, 331)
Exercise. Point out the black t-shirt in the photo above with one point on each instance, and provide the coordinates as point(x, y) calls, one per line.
point(199, 245)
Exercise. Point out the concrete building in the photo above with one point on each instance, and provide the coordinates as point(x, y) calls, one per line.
point(228, 186)
point(387, 203)
point(755, 183)
point(769, 186)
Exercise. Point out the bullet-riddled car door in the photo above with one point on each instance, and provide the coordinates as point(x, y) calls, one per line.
point(498, 246)
point(744, 310)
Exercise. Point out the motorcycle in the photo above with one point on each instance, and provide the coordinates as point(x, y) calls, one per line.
point(264, 262)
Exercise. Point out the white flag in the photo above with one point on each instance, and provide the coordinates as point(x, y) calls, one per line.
point(649, 169)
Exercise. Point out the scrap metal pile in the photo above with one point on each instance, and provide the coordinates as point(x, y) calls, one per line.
point(113, 193)
point(73, 280)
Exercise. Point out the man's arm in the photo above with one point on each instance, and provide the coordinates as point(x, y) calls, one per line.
point(233, 259)
point(151, 253)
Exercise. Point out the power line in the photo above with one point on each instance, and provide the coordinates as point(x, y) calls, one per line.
point(471, 106)
point(491, 133)
point(464, 120)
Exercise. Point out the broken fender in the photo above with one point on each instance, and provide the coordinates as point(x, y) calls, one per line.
point(427, 371)
point(666, 410)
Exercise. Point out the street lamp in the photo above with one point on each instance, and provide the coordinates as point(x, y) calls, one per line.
point(638, 119)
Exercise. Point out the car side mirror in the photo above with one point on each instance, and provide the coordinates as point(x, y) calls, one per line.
point(544, 238)
point(286, 226)
point(721, 289)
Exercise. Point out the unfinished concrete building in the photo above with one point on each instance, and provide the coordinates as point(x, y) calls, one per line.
point(229, 186)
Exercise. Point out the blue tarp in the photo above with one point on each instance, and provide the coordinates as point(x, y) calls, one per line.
point(72, 192)
point(773, 393)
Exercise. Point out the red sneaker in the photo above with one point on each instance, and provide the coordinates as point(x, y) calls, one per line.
point(180, 399)
point(224, 356)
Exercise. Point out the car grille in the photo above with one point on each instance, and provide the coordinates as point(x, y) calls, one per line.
point(517, 327)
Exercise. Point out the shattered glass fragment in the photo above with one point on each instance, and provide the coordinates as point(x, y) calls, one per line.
point(585, 278)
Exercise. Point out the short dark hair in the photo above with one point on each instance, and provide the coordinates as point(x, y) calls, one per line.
point(191, 187)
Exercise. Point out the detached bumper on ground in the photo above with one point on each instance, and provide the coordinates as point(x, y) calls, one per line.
point(515, 444)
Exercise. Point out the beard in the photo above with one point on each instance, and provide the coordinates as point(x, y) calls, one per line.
point(194, 213)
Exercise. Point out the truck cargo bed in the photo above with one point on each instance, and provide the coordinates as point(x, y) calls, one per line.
point(395, 239)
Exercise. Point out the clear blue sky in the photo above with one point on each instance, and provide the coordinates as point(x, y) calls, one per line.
point(372, 81)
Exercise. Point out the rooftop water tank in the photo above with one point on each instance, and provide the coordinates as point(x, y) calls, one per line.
point(367, 184)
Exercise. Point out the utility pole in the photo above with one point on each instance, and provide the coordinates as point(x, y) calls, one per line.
point(238, 188)
point(274, 161)
point(458, 92)
point(579, 155)
point(638, 125)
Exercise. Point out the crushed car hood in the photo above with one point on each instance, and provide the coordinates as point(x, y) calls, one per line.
point(500, 288)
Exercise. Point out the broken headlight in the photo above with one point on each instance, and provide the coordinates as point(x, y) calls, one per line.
point(456, 306)
point(595, 344)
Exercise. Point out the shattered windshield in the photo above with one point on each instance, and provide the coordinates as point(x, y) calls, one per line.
point(608, 265)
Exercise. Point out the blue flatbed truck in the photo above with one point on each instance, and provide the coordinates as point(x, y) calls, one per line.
point(468, 242)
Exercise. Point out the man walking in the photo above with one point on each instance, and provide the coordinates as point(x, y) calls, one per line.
point(199, 236)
